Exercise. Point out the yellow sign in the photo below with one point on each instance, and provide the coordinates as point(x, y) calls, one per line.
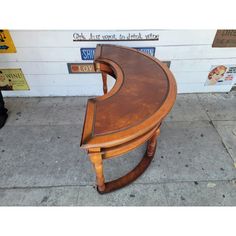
point(6, 43)
point(12, 79)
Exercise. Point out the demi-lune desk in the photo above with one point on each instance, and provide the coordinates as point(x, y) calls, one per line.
point(130, 114)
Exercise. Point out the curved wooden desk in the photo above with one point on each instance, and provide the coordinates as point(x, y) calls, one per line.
point(130, 114)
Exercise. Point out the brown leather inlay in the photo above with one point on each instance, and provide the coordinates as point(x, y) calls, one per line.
point(142, 93)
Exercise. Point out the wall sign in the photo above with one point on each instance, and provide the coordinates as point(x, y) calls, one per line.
point(81, 68)
point(116, 36)
point(87, 54)
point(167, 63)
point(12, 79)
point(76, 68)
point(221, 75)
point(225, 38)
point(6, 43)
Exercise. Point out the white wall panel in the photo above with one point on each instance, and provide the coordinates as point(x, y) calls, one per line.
point(93, 90)
point(50, 68)
point(162, 52)
point(38, 68)
point(61, 85)
point(200, 65)
point(200, 88)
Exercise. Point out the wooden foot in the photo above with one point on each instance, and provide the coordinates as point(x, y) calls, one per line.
point(104, 80)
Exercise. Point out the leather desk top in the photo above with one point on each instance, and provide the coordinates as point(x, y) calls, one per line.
point(143, 94)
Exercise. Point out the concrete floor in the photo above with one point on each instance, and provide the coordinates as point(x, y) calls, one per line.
point(41, 163)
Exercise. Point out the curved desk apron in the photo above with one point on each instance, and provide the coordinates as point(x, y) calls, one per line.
point(130, 114)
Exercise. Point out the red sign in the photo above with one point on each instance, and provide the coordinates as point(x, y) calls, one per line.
point(75, 68)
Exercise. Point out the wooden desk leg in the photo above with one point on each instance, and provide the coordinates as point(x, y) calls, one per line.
point(152, 143)
point(96, 159)
point(104, 80)
point(137, 171)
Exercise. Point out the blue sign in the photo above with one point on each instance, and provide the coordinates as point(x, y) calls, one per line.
point(87, 54)
point(148, 50)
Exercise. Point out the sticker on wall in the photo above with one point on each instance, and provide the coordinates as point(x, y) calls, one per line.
point(6, 43)
point(225, 38)
point(116, 36)
point(81, 68)
point(12, 79)
point(221, 75)
point(87, 54)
